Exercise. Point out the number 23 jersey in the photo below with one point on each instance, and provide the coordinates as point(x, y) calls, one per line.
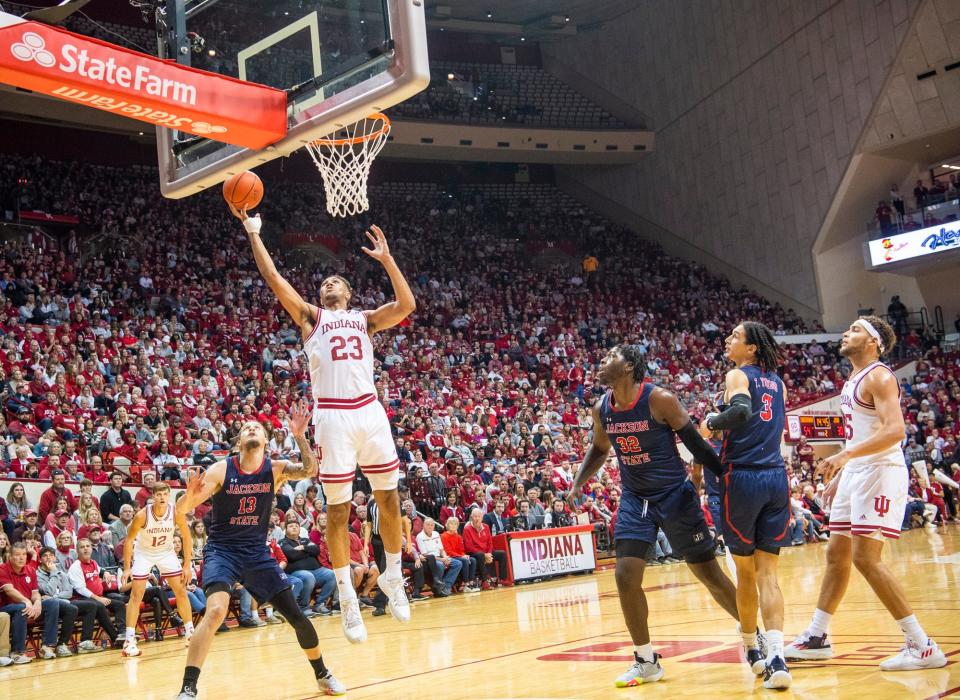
point(340, 354)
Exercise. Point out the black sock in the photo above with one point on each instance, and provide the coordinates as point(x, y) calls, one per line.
point(191, 674)
point(318, 668)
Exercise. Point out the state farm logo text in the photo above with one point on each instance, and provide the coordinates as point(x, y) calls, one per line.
point(74, 60)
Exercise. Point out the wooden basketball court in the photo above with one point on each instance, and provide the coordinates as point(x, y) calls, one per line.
point(558, 639)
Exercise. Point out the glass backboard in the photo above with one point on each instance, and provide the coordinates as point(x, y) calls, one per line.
point(337, 60)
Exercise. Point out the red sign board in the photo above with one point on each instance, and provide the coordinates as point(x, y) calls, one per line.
point(104, 76)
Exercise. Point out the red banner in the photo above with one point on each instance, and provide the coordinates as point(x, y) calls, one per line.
point(104, 76)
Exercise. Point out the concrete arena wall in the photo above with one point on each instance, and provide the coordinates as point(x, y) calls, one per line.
point(758, 106)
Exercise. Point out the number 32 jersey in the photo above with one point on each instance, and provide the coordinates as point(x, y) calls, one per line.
point(341, 356)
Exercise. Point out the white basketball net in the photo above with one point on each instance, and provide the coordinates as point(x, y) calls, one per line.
point(344, 163)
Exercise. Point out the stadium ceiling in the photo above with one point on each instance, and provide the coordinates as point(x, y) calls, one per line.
point(530, 18)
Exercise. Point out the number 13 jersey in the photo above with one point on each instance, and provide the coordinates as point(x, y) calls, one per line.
point(341, 358)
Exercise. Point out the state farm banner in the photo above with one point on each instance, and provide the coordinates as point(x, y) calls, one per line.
point(104, 76)
point(548, 552)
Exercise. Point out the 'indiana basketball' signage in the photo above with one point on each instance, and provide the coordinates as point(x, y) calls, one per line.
point(547, 552)
point(915, 244)
point(97, 74)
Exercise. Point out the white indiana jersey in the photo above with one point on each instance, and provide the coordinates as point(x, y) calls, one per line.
point(156, 536)
point(860, 418)
point(341, 358)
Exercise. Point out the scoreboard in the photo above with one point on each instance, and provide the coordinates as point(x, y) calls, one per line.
point(826, 427)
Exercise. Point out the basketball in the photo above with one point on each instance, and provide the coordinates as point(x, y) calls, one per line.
point(243, 190)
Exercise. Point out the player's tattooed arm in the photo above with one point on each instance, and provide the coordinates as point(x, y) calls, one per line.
point(293, 471)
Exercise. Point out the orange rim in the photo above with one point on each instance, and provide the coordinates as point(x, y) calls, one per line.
point(355, 140)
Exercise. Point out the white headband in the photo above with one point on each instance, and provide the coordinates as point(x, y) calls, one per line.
point(868, 327)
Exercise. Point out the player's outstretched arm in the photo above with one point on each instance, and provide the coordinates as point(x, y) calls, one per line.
point(593, 460)
point(309, 467)
point(302, 313)
point(202, 486)
point(139, 520)
point(391, 313)
point(666, 408)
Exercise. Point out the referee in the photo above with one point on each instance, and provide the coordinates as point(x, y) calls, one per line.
point(371, 533)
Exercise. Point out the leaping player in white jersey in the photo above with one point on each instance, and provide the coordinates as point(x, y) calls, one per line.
point(149, 543)
point(352, 428)
point(869, 497)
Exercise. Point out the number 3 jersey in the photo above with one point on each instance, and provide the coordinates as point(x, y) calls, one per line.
point(650, 465)
point(341, 357)
point(758, 442)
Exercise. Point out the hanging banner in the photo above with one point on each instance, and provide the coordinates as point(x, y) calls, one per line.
point(87, 71)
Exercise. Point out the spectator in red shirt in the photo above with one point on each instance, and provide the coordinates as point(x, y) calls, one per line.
point(88, 587)
point(20, 598)
point(132, 450)
point(478, 543)
point(66, 424)
point(48, 499)
point(146, 491)
point(96, 473)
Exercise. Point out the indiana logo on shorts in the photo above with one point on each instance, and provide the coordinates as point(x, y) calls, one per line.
point(881, 504)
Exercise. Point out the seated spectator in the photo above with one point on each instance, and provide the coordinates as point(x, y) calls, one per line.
point(89, 591)
point(497, 520)
point(303, 563)
point(145, 493)
point(58, 489)
point(363, 571)
point(30, 520)
point(65, 551)
point(557, 515)
point(102, 551)
point(444, 568)
point(452, 543)
point(61, 525)
point(54, 585)
point(20, 599)
point(478, 543)
point(118, 529)
point(195, 594)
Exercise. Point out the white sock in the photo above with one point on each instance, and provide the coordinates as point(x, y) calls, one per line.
point(820, 624)
point(913, 631)
point(268, 610)
point(749, 639)
point(774, 643)
point(345, 583)
point(393, 565)
point(644, 651)
point(188, 625)
point(131, 635)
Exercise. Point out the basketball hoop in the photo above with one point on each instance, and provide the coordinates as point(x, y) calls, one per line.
point(344, 163)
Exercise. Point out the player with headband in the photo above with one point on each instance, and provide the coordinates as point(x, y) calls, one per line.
point(868, 482)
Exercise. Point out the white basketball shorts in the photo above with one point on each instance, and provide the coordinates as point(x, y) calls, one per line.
point(352, 433)
point(870, 500)
point(167, 562)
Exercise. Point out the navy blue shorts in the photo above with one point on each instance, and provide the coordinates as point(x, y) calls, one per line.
point(254, 568)
point(677, 513)
point(755, 508)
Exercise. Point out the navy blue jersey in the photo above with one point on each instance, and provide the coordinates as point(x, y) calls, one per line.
point(710, 480)
point(758, 442)
point(241, 508)
point(650, 465)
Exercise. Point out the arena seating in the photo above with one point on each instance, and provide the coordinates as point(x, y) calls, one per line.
point(167, 304)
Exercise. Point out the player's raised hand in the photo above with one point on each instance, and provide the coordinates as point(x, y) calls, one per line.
point(380, 250)
point(194, 483)
point(299, 418)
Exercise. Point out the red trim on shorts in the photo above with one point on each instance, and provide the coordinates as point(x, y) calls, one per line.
point(315, 325)
point(838, 526)
point(380, 468)
point(345, 404)
point(140, 578)
point(340, 478)
point(726, 509)
point(171, 574)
